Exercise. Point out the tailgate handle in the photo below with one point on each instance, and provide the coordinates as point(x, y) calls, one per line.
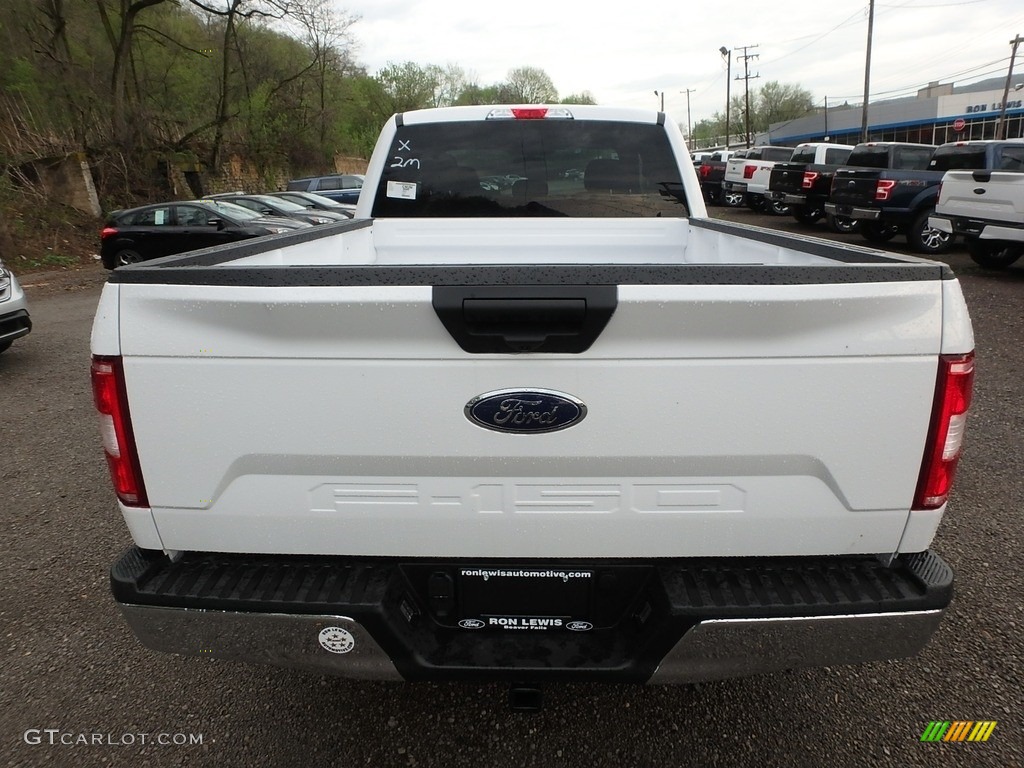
point(518, 319)
point(982, 176)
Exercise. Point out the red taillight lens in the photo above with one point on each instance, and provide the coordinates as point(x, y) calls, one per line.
point(705, 171)
point(946, 433)
point(809, 178)
point(883, 188)
point(116, 430)
point(748, 171)
point(107, 232)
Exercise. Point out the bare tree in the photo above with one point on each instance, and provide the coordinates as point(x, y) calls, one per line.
point(327, 33)
point(121, 44)
point(529, 85)
point(451, 81)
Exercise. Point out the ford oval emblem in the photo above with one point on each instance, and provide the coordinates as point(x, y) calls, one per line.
point(525, 411)
point(579, 626)
point(471, 624)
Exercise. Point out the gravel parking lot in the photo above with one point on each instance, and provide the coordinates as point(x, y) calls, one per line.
point(72, 672)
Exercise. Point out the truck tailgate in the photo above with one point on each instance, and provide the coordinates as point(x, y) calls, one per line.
point(721, 420)
point(854, 187)
point(983, 194)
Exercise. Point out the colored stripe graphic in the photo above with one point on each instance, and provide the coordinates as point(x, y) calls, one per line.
point(958, 730)
point(935, 731)
point(982, 730)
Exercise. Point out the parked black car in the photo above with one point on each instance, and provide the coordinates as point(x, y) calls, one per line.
point(313, 201)
point(342, 187)
point(268, 205)
point(151, 231)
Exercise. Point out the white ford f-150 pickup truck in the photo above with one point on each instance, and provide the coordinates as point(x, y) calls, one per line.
point(531, 416)
point(982, 199)
point(749, 175)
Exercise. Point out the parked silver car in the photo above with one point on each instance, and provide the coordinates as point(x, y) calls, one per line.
point(14, 319)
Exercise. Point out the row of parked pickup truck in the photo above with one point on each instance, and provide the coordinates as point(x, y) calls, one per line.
point(929, 194)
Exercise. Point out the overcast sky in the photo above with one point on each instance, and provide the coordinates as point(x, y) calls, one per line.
point(624, 51)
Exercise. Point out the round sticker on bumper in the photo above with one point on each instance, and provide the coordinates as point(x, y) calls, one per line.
point(337, 640)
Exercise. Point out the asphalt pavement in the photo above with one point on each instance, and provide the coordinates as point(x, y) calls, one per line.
point(76, 689)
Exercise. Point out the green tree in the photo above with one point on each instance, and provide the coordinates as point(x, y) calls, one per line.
point(774, 102)
point(583, 97)
point(475, 94)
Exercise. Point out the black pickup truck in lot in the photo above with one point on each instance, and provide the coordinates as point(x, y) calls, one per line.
point(804, 183)
point(710, 172)
point(890, 188)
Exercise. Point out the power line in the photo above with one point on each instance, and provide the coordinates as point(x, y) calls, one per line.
point(815, 40)
point(910, 90)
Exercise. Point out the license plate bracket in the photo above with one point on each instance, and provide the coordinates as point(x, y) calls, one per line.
point(525, 598)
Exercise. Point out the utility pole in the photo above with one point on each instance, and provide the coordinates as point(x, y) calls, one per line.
point(826, 119)
point(727, 54)
point(746, 81)
point(867, 75)
point(1001, 123)
point(689, 131)
point(662, 94)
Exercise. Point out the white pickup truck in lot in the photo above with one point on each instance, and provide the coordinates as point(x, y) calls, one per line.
point(985, 206)
point(563, 428)
point(749, 176)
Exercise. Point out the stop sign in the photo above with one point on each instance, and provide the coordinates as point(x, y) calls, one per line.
point(959, 124)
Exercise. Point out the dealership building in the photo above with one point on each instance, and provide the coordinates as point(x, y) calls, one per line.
point(938, 114)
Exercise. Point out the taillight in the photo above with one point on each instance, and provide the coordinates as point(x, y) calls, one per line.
point(748, 171)
point(705, 171)
point(809, 178)
point(107, 232)
point(116, 430)
point(884, 188)
point(946, 433)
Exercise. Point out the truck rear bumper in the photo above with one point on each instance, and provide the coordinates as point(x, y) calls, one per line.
point(979, 228)
point(853, 212)
point(787, 197)
point(675, 621)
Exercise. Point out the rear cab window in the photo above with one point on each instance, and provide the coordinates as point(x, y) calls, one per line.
point(836, 156)
point(803, 155)
point(912, 158)
point(1011, 158)
point(870, 157)
point(530, 168)
point(963, 158)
